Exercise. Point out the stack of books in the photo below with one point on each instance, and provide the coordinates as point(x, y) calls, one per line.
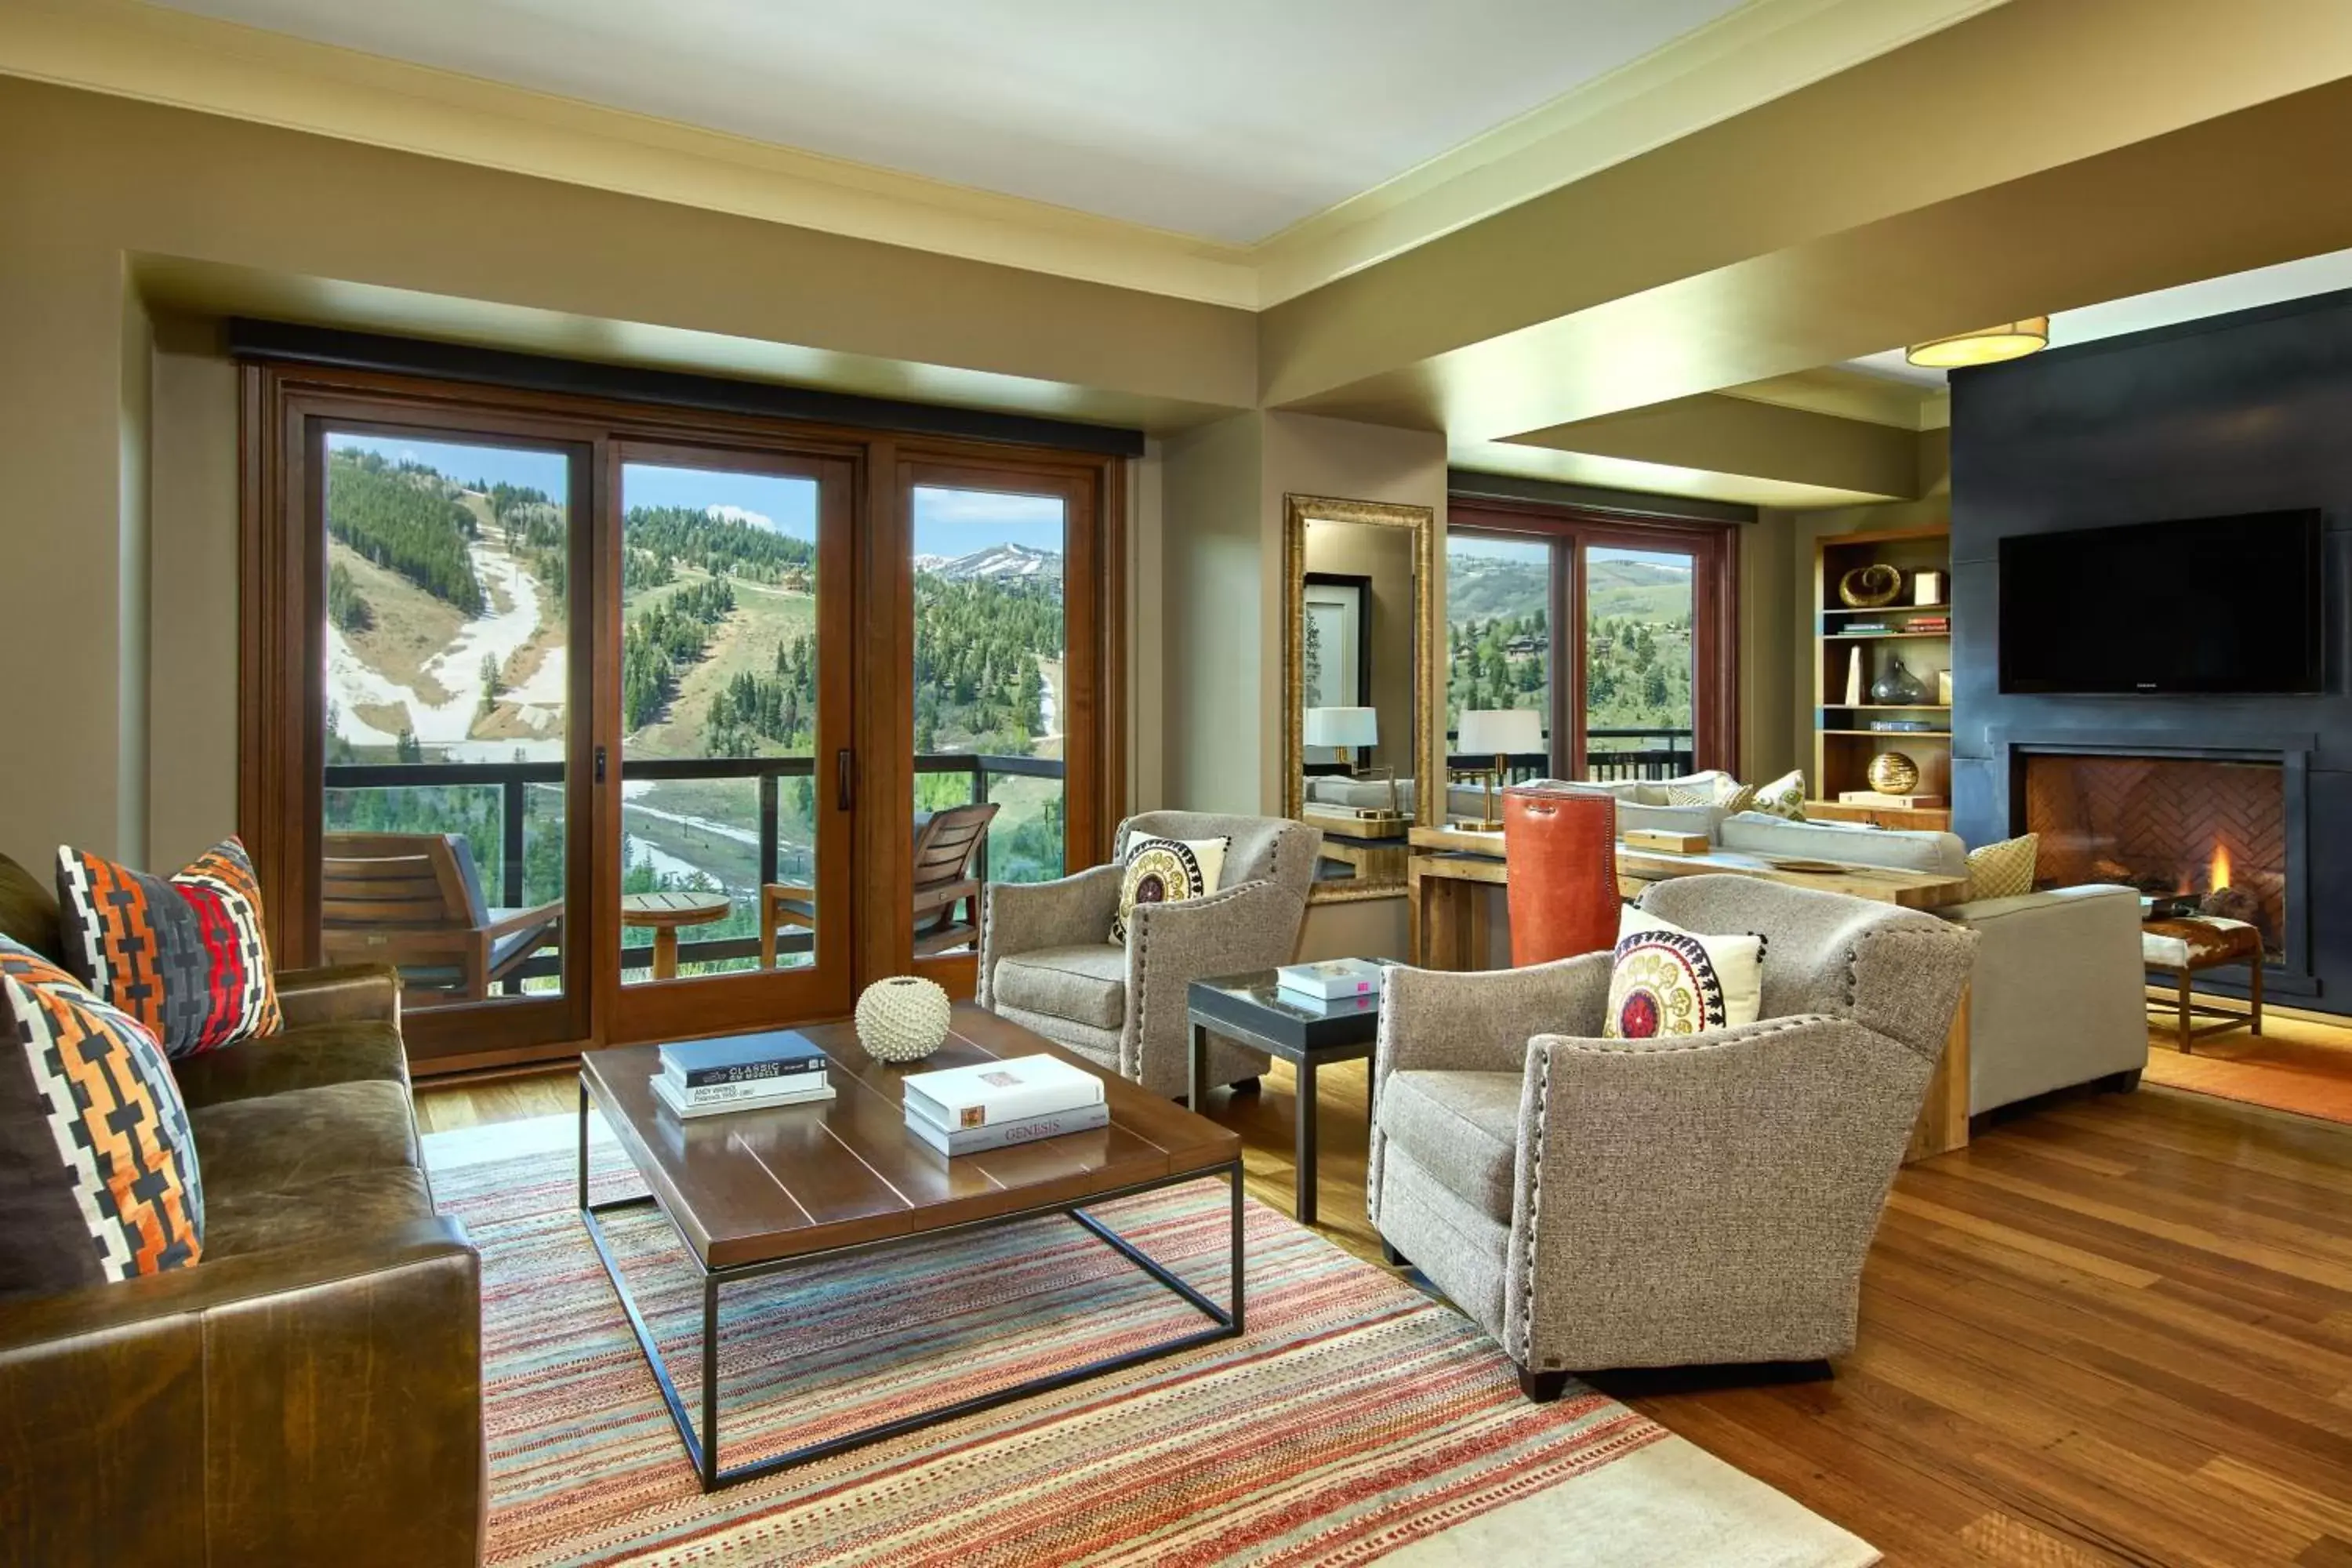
point(741, 1072)
point(1332, 980)
point(993, 1105)
point(1928, 624)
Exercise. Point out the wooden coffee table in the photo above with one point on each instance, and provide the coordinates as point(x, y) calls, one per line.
point(757, 1192)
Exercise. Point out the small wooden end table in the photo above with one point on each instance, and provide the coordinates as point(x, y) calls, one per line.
point(1308, 1035)
point(2184, 948)
point(664, 912)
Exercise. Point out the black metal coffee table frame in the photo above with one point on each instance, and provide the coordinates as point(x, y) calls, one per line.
point(704, 1450)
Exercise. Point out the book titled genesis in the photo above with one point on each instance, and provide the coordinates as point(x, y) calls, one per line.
point(988, 1094)
point(1006, 1134)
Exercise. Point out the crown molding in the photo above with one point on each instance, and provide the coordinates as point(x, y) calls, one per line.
point(1764, 49)
point(187, 61)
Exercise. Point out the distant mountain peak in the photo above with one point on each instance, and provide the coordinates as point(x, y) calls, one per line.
point(1003, 560)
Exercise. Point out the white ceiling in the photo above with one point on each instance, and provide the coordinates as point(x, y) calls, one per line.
point(2165, 308)
point(1229, 119)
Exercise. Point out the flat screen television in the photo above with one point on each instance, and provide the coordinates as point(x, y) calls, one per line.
point(2214, 605)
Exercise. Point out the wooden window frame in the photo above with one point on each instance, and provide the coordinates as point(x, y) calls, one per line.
point(1715, 611)
point(282, 586)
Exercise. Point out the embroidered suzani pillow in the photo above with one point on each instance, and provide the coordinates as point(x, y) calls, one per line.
point(1669, 981)
point(1167, 872)
point(98, 1169)
point(186, 955)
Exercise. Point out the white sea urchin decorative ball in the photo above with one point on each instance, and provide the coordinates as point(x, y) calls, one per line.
point(902, 1019)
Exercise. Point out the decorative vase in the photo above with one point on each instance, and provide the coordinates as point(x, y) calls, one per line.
point(902, 1019)
point(1892, 772)
point(1897, 686)
point(1867, 588)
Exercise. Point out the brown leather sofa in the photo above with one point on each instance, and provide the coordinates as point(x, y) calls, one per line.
point(312, 1391)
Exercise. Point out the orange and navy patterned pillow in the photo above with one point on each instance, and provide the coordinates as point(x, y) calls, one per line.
point(186, 956)
point(98, 1169)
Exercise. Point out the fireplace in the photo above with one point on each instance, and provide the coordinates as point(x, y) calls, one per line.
point(2210, 831)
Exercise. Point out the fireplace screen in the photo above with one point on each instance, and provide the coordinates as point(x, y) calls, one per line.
point(2214, 831)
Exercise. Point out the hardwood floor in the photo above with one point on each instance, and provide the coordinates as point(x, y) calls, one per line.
point(2116, 1328)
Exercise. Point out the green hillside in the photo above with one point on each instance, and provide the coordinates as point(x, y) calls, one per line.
point(1637, 641)
point(404, 516)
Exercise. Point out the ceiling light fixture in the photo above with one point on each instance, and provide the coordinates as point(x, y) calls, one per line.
point(1986, 345)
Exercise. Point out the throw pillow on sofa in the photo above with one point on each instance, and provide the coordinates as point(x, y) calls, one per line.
point(1722, 790)
point(98, 1169)
point(1783, 797)
point(2004, 871)
point(1669, 981)
point(1167, 872)
point(185, 954)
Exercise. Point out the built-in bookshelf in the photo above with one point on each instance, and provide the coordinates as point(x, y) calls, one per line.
point(1849, 721)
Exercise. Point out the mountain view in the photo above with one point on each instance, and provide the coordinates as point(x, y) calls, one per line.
point(1637, 635)
point(447, 641)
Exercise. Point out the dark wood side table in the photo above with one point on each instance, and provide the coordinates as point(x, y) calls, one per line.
point(1305, 1033)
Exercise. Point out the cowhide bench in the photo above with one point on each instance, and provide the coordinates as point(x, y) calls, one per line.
point(2190, 944)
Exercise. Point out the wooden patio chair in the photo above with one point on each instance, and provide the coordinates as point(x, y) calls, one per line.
point(414, 901)
point(945, 847)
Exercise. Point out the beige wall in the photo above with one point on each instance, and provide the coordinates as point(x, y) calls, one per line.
point(192, 645)
point(1223, 489)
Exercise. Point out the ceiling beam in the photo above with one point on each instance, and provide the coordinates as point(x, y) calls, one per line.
point(2039, 156)
point(1755, 440)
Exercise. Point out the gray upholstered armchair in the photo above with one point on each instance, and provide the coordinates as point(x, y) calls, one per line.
point(1701, 1199)
point(1046, 960)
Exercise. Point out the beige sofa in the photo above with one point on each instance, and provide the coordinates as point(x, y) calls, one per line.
point(2056, 998)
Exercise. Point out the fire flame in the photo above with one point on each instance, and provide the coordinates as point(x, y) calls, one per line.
point(2217, 874)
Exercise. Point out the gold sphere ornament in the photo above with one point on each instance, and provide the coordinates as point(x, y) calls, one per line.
point(1892, 772)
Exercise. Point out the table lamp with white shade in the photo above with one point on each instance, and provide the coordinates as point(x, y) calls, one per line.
point(1498, 733)
point(1343, 728)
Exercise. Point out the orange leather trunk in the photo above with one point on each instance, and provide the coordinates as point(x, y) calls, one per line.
point(1561, 848)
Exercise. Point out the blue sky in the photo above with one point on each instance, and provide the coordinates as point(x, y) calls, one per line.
point(947, 521)
point(957, 522)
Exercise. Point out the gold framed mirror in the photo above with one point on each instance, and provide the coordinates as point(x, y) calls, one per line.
point(1358, 686)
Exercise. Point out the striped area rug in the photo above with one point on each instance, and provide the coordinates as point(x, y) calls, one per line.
point(1356, 1419)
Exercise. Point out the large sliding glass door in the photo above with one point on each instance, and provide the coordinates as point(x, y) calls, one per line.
point(610, 724)
point(734, 695)
point(452, 715)
point(1004, 696)
point(1640, 707)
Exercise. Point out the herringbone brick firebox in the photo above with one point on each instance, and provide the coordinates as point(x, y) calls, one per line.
point(2213, 828)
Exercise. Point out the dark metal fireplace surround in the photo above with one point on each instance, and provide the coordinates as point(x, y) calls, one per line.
point(2224, 822)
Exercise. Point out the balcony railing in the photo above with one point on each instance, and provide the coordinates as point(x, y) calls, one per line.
point(1613, 755)
point(513, 779)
